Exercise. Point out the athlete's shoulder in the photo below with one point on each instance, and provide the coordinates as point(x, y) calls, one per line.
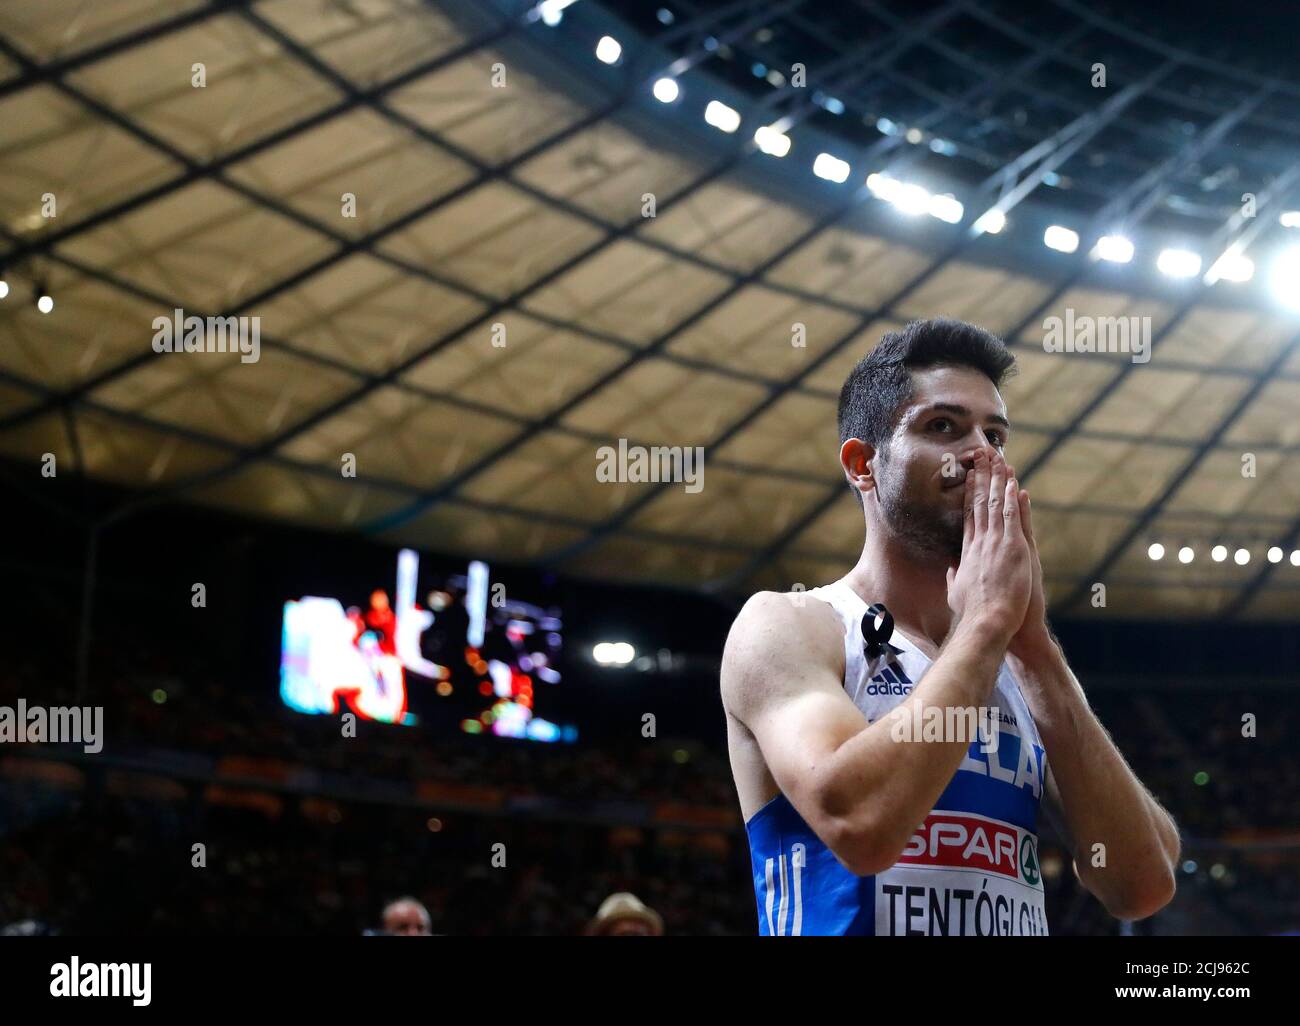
point(767, 612)
point(774, 635)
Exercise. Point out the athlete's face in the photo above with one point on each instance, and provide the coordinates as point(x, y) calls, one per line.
point(921, 469)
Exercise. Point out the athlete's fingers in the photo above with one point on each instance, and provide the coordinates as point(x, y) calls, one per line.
point(997, 489)
point(1026, 520)
point(980, 499)
point(968, 511)
point(1011, 510)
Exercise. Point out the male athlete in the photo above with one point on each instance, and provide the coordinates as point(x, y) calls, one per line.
point(873, 802)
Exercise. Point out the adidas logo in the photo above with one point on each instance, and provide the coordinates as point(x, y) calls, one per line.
point(880, 686)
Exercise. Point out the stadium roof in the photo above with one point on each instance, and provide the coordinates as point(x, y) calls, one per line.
point(501, 176)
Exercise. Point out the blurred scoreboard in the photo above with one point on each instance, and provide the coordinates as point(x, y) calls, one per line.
point(458, 649)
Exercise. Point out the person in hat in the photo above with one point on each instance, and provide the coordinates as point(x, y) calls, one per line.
point(625, 915)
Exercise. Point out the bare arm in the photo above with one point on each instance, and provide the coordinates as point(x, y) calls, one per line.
point(1099, 799)
point(862, 792)
point(1124, 844)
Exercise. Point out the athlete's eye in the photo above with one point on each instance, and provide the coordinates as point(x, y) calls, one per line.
point(997, 440)
point(941, 424)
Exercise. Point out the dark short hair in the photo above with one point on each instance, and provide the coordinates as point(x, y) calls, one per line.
point(881, 383)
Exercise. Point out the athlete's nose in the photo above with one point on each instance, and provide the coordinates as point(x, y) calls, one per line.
point(983, 441)
point(968, 459)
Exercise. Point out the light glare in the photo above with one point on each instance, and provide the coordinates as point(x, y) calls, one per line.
point(1179, 263)
point(1115, 248)
point(772, 142)
point(947, 208)
point(1232, 266)
point(991, 221)
point(721, 117)
point(613, 653)
point(609, 50)
point(831, 168)
point(1285, 278)
point(1061, 239)
point(666, 90)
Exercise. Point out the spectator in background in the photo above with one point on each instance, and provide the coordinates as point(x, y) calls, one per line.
point(625, 915)
point(407, 917)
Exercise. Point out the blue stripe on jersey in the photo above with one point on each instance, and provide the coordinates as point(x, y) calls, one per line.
point(969, 791)
point(842, 902)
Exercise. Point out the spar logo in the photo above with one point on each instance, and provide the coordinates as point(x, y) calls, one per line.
point(966, 842)
point(1029, 860)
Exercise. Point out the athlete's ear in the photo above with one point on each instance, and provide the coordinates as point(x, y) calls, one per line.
point(855, 457)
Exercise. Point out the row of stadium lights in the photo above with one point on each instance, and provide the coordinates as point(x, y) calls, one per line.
point(912, 199)
point(1156, 552)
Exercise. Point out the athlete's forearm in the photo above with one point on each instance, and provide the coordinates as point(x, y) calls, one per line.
point(1126, 845)
point(886, 779)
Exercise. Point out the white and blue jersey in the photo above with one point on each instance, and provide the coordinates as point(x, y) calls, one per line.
point(970, 869)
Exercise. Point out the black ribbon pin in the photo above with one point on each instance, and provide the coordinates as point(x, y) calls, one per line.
point(875, 638)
